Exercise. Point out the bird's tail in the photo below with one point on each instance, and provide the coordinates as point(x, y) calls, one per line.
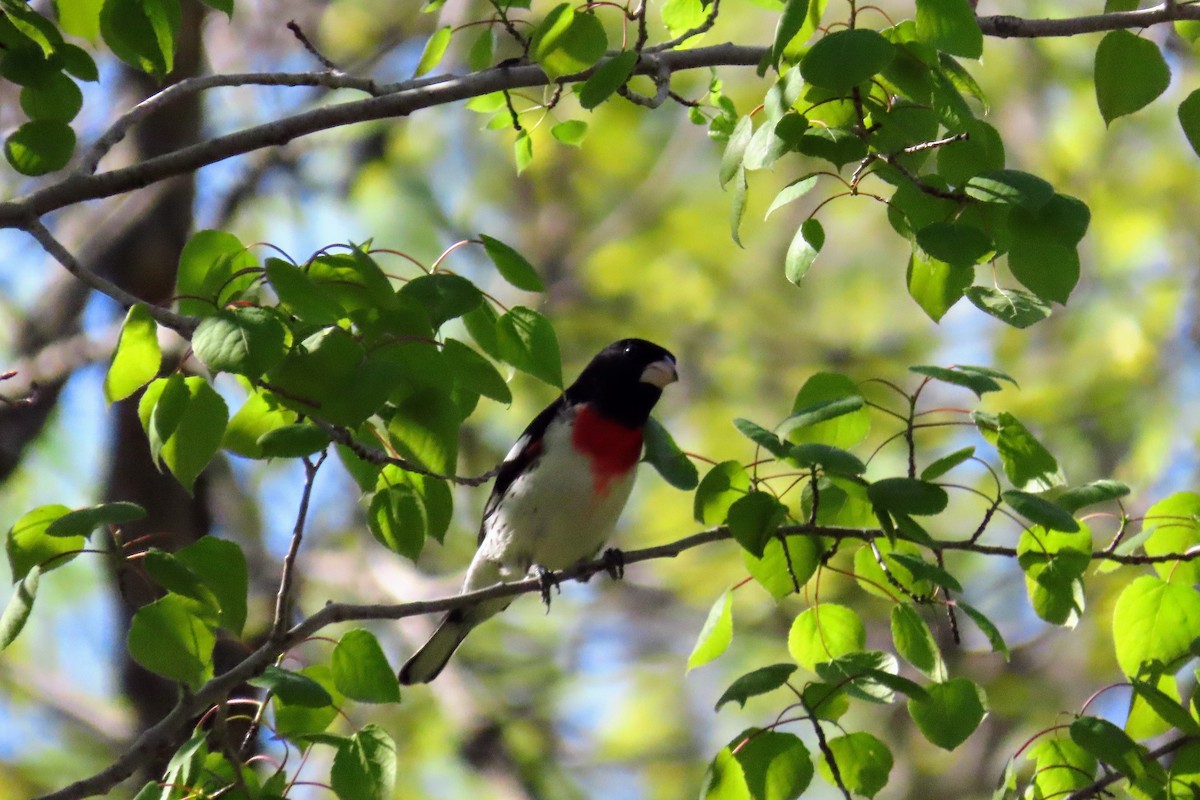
point(427, 663)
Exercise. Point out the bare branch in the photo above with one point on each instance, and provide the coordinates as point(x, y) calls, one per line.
point(1004, 26)
point(283, 598)
point(178, 322)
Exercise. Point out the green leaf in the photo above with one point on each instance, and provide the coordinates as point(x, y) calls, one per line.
point(951, 713)
point(774, 766)
point(512, 265)
point(950, 26)
point(922, 570)
point(221, 564)
point(246, 341)
point(946, 463)
point(571, 132)
point(292, 441)
point(667, 459)
point(212, 272)
point(297, 722)
point(1109, 744)
point(845, 58)
point(1189, 119)
point(482, 51)
point(1061, 766)
point(1040, 511)
point(863, 763)
point(608, 77)
point(762, 437)
point(1130, 73)
point(725, 779)
point(824, 632)
point(224, 6)
point(300, 295)
point(721, 487)
point(956, 243)
point(735, 150)
point(142, 33)
point(85, 520)
point(58, 99)
point(329, 375)
point(793, 191)
point(1095, 492)
point(425, 427)
point(986, 626)
point(1154, 621)
point(960, 161)
point(365, 767)
point(681, 15)
point(915, 643)
point(261, 413)
point(293, 688)
point(434, 50)
point(1168, 708)
point(29, 545)
point(526, 339)
point(759, 681)
point(40, 146)
point(481, 324)
point(1010, 187)
point(188, 423)
point(1173, 524)
point(1011, 306)
point(567, 41)
point(806, 244)
point(829, 409)
point(783, 571)
point(475, 373)
point(434, 494)
point(908, 496)
point(137, 357)
point(830, 458)
point(80, 18)
point(1048, 269)
point(522, 151)
point(361, 670)
point(20, 605)
point(173, 575)
point(1027, 463)
point(754, 518)
point(791, 21)
point(444, 296)
point(737, 208)
point(168, 638)
point(396, 518)
point(716, 634)
point(936, 285)
point(977, 382)
point(869, 675)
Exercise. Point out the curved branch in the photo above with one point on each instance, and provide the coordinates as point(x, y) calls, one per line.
point(1005, 27)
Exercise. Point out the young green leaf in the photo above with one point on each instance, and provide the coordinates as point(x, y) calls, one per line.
point(934, 284)
point(762, 437)
point(720, 488)
point(40, 146)
point(829, 458)
point(167, 637)
point(1061, 766)
point(1109, 744)
point(20, 605)
point(863, 763)
point(298, 722)
point(1154, 621)
point(978, 383)
point(752, 684)
point(292, 441)
point(774, 766)
point(950, 26)
point(512, 265)
point(1189, 119)
point(522, 151)
point(667, 459)
point(246, 341)
point(754, 518)
point(566, 41)
point(795, 13)
point(435, 49)
point(526, 339)
point(824, 632)
point(29, 545)
point(221, 564)
point(137, 357)
point(1040, 511)
point(293, 688)
point(570, 132)
point(784, 571)
point(915, 643)
point(951, 713)
point(1027, 463)
point(608, 77)
point(987, 627)
point(365, 767)
point(908, 496)
point(396, 518)
point(208, 265)
point(1010, 187)
point(735, 150)
point(1011, 306)
point(83, 521)
point(191, 427)
point(845, 58)
point(946, 463)
point(957, 243)
point(1174, 527)
point(869, 675)
point(806, 244)
point(716, 634)
point(1130, 73)
point(830, 409)
point(361, 670)
point(792, 192)
point(142, 33)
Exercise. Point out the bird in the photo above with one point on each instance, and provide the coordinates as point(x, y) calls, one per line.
point(559, 491)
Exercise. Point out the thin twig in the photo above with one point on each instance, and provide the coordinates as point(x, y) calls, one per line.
point(1099, 786)
point(283, 597)
point(184, 325)
point(1005, 26)
point(373, 455)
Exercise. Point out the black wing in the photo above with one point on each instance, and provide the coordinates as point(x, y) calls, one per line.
point(522, 459)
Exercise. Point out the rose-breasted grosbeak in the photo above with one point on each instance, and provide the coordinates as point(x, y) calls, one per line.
point(560, 489)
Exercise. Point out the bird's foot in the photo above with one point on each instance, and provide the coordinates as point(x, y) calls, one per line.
point(614, 563)
point(548, 581)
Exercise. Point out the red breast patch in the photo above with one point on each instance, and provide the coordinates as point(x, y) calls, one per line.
point(612, 448)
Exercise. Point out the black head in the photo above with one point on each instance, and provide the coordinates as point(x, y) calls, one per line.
point(625, 380)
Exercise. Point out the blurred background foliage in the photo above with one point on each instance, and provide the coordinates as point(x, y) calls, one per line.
point(630, 233)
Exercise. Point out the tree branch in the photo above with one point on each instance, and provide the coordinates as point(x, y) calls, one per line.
point(79, 187)
point(172, 729)
point(1099, 786)
point(1004, 26)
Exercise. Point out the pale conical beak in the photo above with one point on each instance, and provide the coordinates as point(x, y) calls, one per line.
point(660, 373)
